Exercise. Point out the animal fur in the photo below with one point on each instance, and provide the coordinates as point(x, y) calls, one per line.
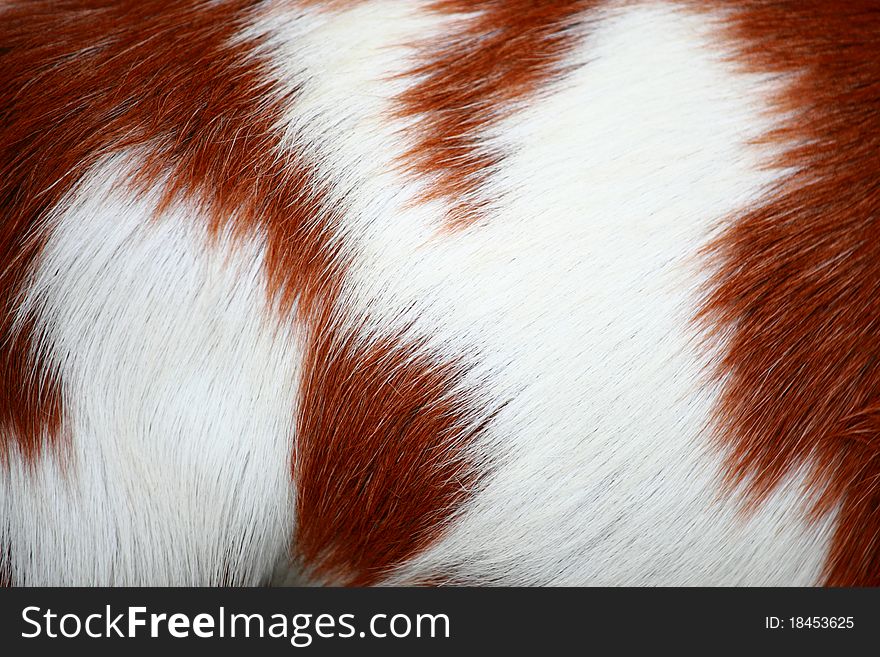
point(439, 292)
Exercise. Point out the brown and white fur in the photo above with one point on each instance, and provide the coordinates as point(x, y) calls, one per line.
point(440, 292)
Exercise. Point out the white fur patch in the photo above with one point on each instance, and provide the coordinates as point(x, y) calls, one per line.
point(179, 397)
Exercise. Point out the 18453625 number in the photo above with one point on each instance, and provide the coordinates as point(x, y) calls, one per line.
point(821, 622)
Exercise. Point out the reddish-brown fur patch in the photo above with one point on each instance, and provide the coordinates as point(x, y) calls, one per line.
point(470, 79)
point(380, 463)
point(30, 395)
point(797, 293)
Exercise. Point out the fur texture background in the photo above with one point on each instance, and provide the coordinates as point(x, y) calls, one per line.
point(439, 292)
